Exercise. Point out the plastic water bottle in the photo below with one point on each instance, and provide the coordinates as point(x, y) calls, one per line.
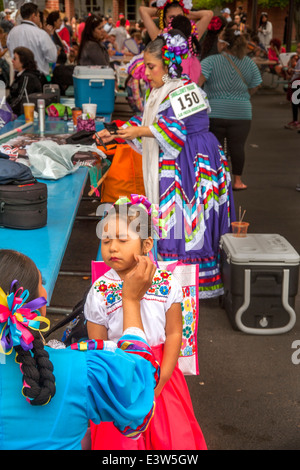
point(41, 113)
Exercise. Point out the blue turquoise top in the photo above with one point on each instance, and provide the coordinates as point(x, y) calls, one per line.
point(226, 91)
point(98, 385)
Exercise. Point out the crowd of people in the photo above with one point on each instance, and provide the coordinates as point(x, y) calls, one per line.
point(133, 312)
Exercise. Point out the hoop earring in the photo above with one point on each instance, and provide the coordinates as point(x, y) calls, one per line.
point(166, 78)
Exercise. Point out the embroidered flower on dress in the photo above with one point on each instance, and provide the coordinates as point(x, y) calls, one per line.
point(102, 288)
point(110, 298)
point(187, 331)
point(165, 275)
point(188, 318)
point(164, 290)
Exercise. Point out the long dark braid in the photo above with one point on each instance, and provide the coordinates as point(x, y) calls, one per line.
point(37, 369)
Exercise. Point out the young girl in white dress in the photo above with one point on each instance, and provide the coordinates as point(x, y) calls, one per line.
point(125, 237)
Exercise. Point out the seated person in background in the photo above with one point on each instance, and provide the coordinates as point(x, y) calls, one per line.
point(6, 68)
point(273, 55)
point(72, 55)
point(111, 44)
point(3, 46)
point(293, 67)
point(63, 70)
point(27, 79)
point(137, 38)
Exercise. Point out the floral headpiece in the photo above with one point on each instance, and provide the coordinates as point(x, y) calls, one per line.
point(186, 5)
point(16, 317)
point(174, 51)
point(153, 210)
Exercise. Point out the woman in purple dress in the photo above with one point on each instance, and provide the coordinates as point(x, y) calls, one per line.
point(185, 170)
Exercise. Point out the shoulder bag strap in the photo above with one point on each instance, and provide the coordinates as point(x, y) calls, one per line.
point(237, 69)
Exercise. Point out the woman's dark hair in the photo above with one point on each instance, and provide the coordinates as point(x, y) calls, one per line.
point(38, 379)
point(183, 24)
point(261, 22)
point(209, 45)
point(26, 58)
point(237, 42)
point(155, 48)
point(52, 17)
point(87, 35)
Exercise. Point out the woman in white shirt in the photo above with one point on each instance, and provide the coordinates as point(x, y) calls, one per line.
point(265, 30)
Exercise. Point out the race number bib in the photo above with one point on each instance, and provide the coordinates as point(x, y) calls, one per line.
point(187, 100)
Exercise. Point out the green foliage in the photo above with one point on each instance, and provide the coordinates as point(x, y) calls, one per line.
point(211, 4)
point(273, 3)
point(208, 4)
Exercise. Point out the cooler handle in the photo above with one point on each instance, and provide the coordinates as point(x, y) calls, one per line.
point(96, 83)
point(285, 303)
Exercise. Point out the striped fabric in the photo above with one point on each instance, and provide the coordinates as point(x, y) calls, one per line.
point(196, 198)
point(143, 350)
point(89, 345)
point(227, 93)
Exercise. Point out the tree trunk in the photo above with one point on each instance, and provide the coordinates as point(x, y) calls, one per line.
point(297, 20)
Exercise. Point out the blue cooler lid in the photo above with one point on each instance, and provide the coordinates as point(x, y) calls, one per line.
point(259, 249)
point(93, 71)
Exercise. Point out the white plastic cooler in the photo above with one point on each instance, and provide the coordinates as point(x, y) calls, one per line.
point(260, 274)
point(95, 84)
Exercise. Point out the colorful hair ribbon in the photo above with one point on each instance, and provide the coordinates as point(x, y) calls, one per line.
point(17, 317)
point(153, 210)
point(174, 51)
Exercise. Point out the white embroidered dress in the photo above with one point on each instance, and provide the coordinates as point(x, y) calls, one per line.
point(104, 305)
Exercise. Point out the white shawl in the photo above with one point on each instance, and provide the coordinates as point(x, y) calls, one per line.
point(150, 144)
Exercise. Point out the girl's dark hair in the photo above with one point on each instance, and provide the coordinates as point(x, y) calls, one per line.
point(87, 34)
point(38, 379)
point(183, 24)
point(155, 47)
point(26, 58)
point(237, 42)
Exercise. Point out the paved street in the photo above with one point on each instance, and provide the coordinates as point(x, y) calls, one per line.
point(248, 393)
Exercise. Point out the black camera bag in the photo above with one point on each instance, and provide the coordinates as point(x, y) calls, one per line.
point(23, 206)
point(23, 200)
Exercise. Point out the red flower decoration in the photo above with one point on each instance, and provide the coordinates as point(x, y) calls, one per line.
point(215, 24)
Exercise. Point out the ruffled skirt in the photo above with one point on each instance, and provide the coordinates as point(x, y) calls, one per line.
point(173, 427)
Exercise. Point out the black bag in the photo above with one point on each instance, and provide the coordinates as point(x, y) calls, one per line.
point(48, 97)
point(23, 206)
point(76, 330)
